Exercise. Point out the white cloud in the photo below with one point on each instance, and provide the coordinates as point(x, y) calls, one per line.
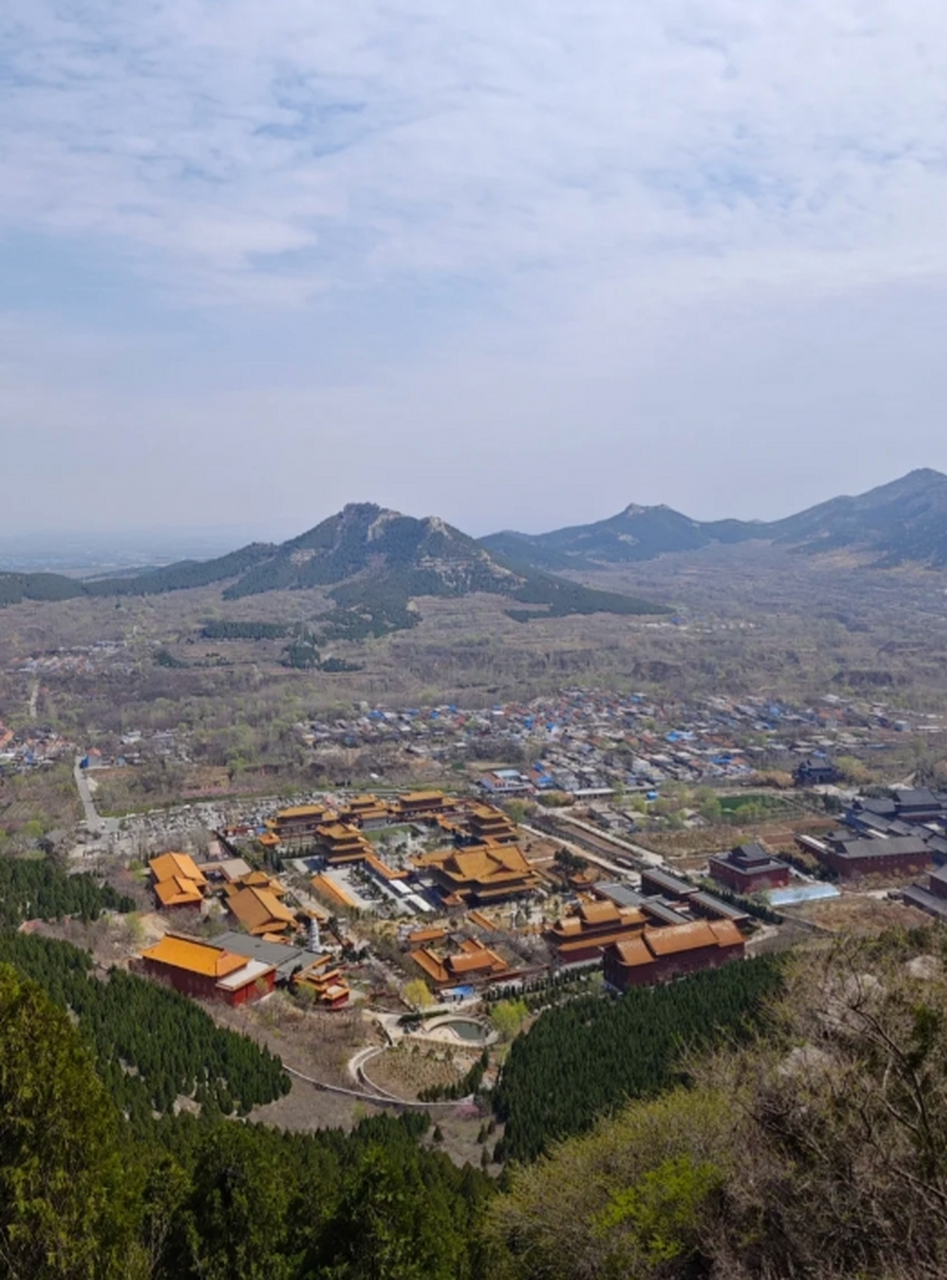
point(427, 236)
point(211, 138)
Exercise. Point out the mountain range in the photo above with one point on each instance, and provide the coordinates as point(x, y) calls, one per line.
point(904, 521)
point(372, 562)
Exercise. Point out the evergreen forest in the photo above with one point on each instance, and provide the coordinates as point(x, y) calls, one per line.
point(583, 1059)
point(84, 1195)
point(150, 1044)
point(808, 1145)
point(39, 889)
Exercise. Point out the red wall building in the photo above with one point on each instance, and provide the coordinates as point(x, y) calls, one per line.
point(660, 955)
point(748, 869)
point(894, 855)
point(205, 972)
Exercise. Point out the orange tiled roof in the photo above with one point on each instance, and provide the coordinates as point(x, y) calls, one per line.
point(419, 936)
point(178, 892)
point(634, 952)
point(323, 884)
point(431, 965)
point(195, 957)
point(599, 912)
point(680, 937)
point(383, 869)
point(726, 933)
point(472, 961)
point(302, 811)
point(567, 946)
point(170, 865)
point(260, 911)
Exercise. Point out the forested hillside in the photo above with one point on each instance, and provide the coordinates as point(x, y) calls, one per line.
point(150, 1043)
point(812, 1148)
point(815, 1150)
point(37, 889)
point(83, 1197)
point(587, 1057)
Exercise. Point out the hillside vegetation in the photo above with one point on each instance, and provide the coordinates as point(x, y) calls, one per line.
point(818, 1149)
point(814, 1148)
point(586, 1058)
point(38, 889)
point(151, 1044)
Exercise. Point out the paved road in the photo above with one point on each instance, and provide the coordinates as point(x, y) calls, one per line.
point(97, 825)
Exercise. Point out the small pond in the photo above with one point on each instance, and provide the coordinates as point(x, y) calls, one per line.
point(465, 1030)
point(473, 1032)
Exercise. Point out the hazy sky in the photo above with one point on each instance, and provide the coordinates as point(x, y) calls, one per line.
point(513, 262)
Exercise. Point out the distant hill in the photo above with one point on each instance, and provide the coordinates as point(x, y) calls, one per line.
point(372, 562)
point(904, 521)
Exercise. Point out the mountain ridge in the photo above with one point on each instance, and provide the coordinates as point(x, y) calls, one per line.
point(372, 561)
point(903, 521)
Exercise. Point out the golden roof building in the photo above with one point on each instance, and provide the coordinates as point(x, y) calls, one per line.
point(660, 955)
point(594, 926)
point(485, 822)
point(472, 963)
point(297, 825)
point(206, 972)
point(178, 881)
point(260, 911)
point(482, 873)
point(339, 842)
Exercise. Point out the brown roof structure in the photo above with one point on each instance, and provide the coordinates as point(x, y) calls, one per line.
point(487, 822)
point(329, 889)
point(661, 955)
point(470, 962)
point(341, 842)
point(482, 873)
point(178, 892)
point(170, 865)
point(260, 911)
point(582, 935)
point(179, 882)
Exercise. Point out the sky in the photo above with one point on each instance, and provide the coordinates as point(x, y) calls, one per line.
point(517, 263)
